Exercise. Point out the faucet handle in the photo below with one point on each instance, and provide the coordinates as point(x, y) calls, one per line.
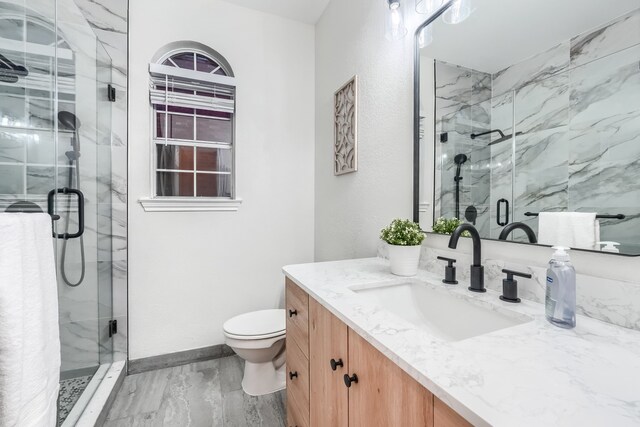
point(510, 285)
point(449, 260)
point(449, 271)
point(511, 273)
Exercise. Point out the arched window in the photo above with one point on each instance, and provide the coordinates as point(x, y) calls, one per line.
point(192, 90)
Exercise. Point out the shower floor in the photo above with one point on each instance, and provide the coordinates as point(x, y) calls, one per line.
point(70, 391)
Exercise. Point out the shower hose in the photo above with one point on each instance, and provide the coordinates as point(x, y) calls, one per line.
point(63, 254)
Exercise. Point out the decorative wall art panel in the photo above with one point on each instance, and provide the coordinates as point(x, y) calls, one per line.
point(345, 128)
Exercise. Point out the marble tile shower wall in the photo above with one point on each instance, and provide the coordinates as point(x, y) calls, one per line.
point(576, 105)
point(463, 107)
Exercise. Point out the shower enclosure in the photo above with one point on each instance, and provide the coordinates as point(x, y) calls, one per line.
point(55, 156)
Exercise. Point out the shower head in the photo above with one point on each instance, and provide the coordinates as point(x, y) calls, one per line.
point(68, 120)
point(459, 159)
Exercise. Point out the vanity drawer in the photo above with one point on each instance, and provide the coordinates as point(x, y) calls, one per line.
point(297, 386)
point(297, 302)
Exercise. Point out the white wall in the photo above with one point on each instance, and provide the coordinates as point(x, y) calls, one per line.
point(351, 209)
point(189, 272)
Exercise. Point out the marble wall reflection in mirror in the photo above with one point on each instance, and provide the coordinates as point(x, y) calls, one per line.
point(534, 107)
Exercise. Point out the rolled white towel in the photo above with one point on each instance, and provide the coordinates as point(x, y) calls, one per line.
point(29, 334)
point(572, 229)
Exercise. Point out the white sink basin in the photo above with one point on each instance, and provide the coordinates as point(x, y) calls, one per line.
point(443, 314)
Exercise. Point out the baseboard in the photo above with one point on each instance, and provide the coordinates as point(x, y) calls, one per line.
point(145, 364)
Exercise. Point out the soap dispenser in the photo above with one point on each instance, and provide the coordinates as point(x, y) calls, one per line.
point(610, 247)
point(560, 300)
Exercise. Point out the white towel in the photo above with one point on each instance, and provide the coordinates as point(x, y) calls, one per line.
point(29, 335)
point(571, 229)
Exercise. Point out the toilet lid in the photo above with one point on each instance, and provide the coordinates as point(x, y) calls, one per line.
point(256, 323)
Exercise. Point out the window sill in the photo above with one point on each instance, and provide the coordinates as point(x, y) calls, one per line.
point(188, 204)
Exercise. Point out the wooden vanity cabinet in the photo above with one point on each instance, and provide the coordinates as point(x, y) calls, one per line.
point(328, 362)
point(444, 416)
point(297, 364)
point(384, 394)
point(380, 394)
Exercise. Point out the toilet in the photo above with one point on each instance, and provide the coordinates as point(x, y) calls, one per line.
point(258, 338)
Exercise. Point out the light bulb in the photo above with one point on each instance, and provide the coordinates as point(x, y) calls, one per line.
point(394, 24)
point(458, 12)
point(394, 4)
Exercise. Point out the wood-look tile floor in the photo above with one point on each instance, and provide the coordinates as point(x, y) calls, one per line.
point(199, 394)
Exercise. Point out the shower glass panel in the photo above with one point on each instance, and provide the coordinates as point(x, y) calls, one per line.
point(465, 158)
point(55, 152)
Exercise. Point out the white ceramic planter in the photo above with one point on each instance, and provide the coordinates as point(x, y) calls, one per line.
point(404, 259)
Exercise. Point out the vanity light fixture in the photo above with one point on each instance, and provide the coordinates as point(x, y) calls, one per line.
point(394, 23)
point(458, 12)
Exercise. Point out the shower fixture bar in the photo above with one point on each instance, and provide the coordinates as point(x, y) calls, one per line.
point(603, 216)
point(503, 137)
point(475, 135)
point(8, 68)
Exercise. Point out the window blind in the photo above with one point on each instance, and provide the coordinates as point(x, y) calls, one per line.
point(190, 89)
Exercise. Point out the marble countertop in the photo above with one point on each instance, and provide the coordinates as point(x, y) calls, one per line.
point(533, 374)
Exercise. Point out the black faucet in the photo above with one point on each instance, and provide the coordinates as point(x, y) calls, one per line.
point(477, 270)
point(531, 235)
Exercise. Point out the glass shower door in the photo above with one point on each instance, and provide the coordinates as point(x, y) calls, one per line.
point(103, 200)
point(84, 263)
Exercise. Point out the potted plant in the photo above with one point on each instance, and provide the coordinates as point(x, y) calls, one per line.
point(404, 239)
point(447, 226)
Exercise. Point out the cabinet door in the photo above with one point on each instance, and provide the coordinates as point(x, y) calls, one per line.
point(444, 416)
point(384, 394)
point(327, 341)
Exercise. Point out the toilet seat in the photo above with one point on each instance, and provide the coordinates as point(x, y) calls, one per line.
point(256, 325)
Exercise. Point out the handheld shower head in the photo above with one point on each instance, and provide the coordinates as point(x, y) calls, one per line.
point(69, 121)
point(460, 159)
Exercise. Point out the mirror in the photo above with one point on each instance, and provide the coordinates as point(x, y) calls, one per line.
point(528, 107)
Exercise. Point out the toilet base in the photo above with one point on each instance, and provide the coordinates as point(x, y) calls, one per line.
point(263, 378)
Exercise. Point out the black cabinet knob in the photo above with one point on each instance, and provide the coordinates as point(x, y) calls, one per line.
point(348, 380)
point(335, 364)
point(293, 313)
point(293, 375)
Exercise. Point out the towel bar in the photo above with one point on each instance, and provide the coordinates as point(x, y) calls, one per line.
point(616, 216)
